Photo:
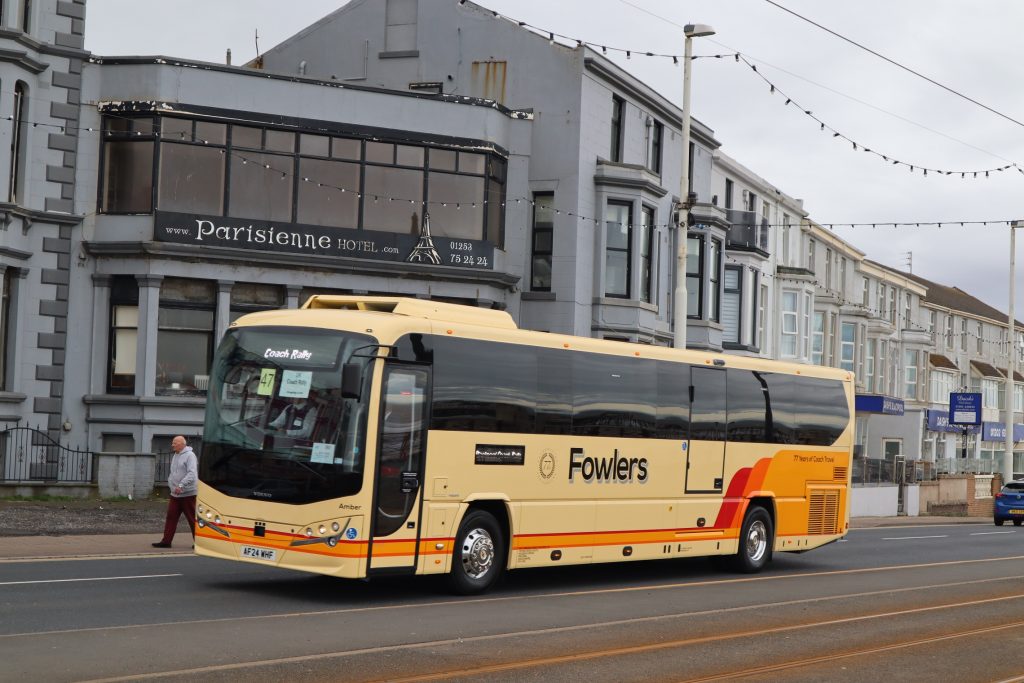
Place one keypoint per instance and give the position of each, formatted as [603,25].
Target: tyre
[756,539]
[1017,522]
[479,557]
[998,521]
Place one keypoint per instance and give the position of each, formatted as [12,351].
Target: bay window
[910,363]
[618,252]
[124,334]
[790,319]
[848,346]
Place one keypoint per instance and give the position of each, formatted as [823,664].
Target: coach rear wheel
[1017,522]
[998,522]
[756,540]
[479,557]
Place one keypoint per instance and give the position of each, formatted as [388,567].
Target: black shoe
[161,544]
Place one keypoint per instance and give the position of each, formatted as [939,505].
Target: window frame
[628,250]
[737,293]
[535,230]
[654,147]
[617,127]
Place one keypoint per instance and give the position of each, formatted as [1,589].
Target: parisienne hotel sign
[316,240]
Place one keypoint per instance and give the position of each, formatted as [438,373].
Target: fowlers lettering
[606,469]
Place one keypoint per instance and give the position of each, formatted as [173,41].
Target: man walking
[182,487]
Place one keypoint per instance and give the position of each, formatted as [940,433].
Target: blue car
[1010,504]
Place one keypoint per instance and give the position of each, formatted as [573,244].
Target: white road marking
[97,578]
[907,538]
[989,533]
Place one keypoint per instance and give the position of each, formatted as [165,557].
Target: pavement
[38,548]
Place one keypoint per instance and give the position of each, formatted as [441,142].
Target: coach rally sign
[316,240]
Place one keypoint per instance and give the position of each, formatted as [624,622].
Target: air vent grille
[839,473]
[823,515]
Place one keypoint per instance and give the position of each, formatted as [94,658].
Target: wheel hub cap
[477,553]
[757,541]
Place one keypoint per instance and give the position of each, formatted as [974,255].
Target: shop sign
[938,421]
[886,405]
[996,431]
[965,408]
[317,240]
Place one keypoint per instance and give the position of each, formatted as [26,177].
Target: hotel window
[5,327]
[618,116]
[848,346]
[729,188]
[790,320]
[980,338]
[810,255]
[754,304]
[933,324]
[990,393]
[24,15]
[865,298]
[646,256]
[263,173]
[732,304]
[941,386]
[828,269]
[892,305]
[881,300]
[714,278]
[907,300]
[128,148]
[1018,397]
[805,329]
[694,276]
[842,274]
[910,374]
[249,297]
[762,305]
[883,364]
[963,334]
[543,240]
[654,147]
[192,158]
[869,366]
[124,334]
[818,339]
[785,238]
[949,331]
[184,336]
[618,242]
[18,127]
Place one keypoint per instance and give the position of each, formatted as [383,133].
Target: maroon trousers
[175,508]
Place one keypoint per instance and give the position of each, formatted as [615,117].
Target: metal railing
[31,455]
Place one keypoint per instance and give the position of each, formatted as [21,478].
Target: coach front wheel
[756,540]
[479,557]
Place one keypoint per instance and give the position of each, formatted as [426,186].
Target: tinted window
[707,412]
[554,392]
[747,402]
[613,396]
[484,387]
[780,415]
[1014,487]
[822,412]
[673,401]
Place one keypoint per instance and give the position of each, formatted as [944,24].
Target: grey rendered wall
[542,77]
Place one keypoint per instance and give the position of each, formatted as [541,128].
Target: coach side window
[708,408]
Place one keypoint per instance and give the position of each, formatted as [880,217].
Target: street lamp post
[691,31]
[1011,365]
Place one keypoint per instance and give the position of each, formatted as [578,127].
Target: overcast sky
[967,46]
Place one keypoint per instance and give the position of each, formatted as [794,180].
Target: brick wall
[980,492]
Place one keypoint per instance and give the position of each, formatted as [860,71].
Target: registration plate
[265,554]
[1017,512]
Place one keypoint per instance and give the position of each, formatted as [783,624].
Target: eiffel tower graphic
[424,250]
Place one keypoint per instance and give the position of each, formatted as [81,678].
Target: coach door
[399,471]
[705,456]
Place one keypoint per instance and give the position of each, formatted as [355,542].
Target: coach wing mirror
[351,380]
